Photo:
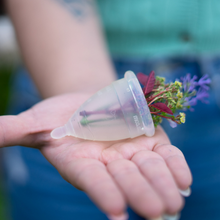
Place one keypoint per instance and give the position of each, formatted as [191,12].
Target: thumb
[12,130]
[21,130]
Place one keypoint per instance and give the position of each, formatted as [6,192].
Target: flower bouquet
[124,109]
[166,99]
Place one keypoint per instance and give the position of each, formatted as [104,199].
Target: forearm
[62,51]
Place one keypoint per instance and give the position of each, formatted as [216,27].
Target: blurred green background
[5,75]
[7,53]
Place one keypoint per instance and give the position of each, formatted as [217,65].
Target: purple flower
[202,94]
[172,123]
[188,83]
[190,86]
[190,101]
[204,81]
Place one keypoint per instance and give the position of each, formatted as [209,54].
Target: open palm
[143,172]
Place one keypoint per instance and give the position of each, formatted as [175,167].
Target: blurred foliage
[4,215]
[5,75]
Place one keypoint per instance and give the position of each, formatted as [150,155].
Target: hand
[144,172]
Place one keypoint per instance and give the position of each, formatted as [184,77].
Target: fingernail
[159,218]
[186,192]
[123,216]
[171,217]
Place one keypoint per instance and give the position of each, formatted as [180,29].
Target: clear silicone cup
[116,112]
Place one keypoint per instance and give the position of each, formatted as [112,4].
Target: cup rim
[141,103]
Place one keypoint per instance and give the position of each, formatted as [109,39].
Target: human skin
[62,52]
[68,61]
[143,172]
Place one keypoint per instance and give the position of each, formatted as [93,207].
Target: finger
[155,170]
[138,192]
[12,130]
[176,162]
[92,177]
[171,217]
[22,130]
[124,216]
[186,192]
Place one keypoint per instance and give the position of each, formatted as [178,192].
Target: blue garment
[37,191]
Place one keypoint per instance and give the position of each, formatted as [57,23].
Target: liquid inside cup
[116,112]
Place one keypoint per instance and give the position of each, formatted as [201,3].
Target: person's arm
[65,52]
[62,45]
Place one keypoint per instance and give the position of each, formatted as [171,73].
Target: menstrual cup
[116,112]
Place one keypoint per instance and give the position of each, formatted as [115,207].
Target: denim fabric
[37,191]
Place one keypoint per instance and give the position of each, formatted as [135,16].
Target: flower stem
[154,100]
[155,112]
[151,99]
[163,116]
